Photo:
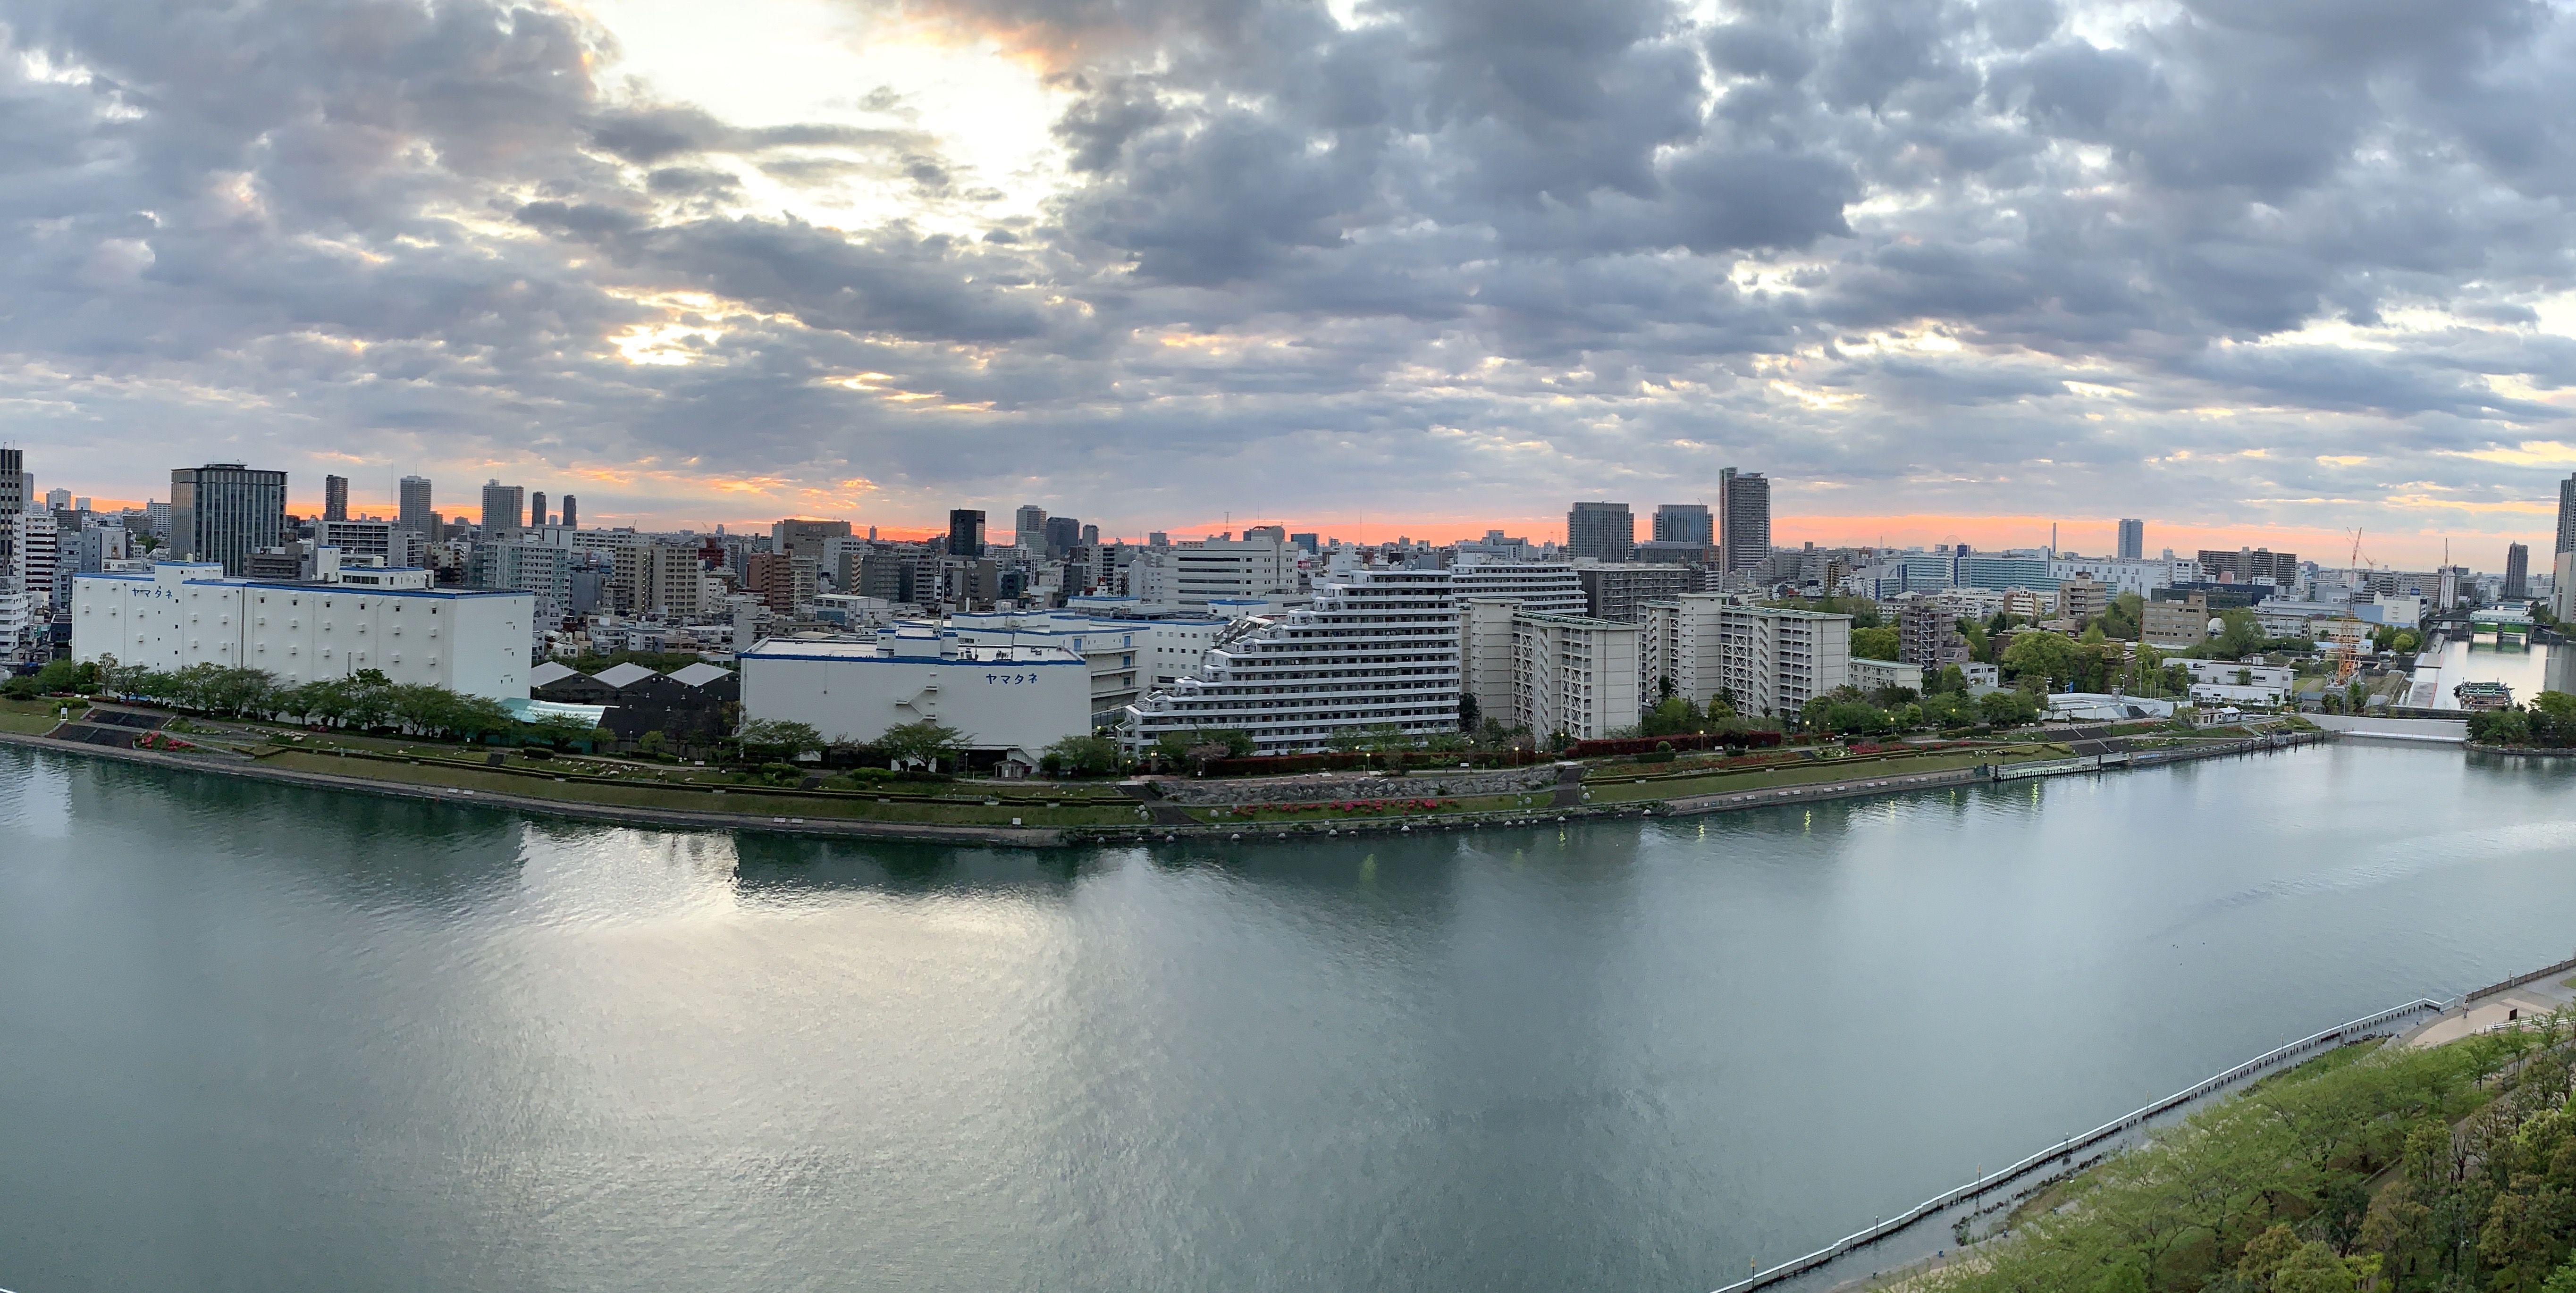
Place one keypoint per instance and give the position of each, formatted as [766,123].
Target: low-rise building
[473,642]
[1010,702]
[2175,624]
[1871,675]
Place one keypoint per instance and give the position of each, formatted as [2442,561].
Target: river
[2527,668]
[263,1038]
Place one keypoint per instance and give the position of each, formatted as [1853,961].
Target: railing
[2520,979]
[2368,1025]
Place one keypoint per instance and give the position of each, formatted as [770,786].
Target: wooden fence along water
[2063,1153]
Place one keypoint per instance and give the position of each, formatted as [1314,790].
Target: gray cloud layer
[1458,259]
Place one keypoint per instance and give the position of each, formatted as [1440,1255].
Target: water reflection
[338,1043]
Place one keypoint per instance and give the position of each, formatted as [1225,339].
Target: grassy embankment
[2372,1167]
[29,717]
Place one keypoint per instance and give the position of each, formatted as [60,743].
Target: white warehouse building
[470,641]
[1378,648]
[1011,700]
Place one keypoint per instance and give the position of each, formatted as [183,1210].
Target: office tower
[1063,535]
[1028,531]
[1744,518]
[806,538]
[504,509]
[1684,523]
[2517,572]
[1601,531]
[537,509]
[413,512]
[965,532]
[57,499]
[572,509]
[156,517]
[225,511]
[1090,536]
[2133,539]
[80,504]
[335,498]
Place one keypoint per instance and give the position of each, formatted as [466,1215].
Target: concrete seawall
[2451,731]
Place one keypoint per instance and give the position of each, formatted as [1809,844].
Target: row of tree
[2452,1168]
[364,701]
[2548,723]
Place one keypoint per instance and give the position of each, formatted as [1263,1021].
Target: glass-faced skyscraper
[225,511]
[2133,539]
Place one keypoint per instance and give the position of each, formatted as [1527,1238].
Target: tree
[772,739]
[1471,713]
[1080,756]
[2007,707]
[925,742]
[1675,715]
[2050,656]
[1949,709]
[1874,644]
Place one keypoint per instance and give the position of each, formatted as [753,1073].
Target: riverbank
[2507,1018]
[1053,814]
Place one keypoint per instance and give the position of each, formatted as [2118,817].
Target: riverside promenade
[1016,819]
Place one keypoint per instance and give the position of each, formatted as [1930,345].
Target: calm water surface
[259,1038]
[2526,668]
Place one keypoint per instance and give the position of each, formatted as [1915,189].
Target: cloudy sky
[2257,270]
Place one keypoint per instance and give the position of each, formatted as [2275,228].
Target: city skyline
[880,261]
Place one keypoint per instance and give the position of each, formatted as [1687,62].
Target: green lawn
[673,797]
[1797,774]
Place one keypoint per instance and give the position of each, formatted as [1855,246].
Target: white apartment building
[1573,675]
[1870,675]
[1190,574]
[1486,663]
[1011,700]
[1379,648]
[2140,575]
[1546,587]
[185,613]
[1771,660]
[1122,653]
[35,556]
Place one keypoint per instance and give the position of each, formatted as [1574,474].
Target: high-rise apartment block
[1772,661]
[1600,532]
[2517,571]
[571,512]
[1573,676]
[2567,514]
[505,510]
[1744,519]
[335,498]
[1376,649]
[2133,539]
[537,510]
[225,511]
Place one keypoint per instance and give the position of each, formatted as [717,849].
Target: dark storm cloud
[1521,249]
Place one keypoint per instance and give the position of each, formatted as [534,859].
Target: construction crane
[2347,650]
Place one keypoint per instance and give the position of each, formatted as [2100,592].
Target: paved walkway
[2528,1001]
